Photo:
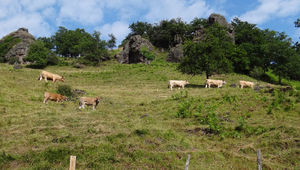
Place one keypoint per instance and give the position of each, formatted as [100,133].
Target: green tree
[40,56]
[250,52]
[211,55]
[140,28]
[112,41]
[283,56]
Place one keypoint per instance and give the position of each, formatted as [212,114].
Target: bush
[13,60]
[257,73]
[185,110]
[147,54]
[65,90]
[180,95]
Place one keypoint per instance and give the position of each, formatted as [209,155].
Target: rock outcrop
[20,50]
[132,52]
[220,19]
[175,54]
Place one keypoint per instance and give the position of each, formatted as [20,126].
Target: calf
[53,96]
[179,83]
[246,84]
[89,101]
[54,77]
[218,83]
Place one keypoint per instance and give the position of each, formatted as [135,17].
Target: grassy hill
[141,124]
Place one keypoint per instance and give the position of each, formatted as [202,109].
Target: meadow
[141,124]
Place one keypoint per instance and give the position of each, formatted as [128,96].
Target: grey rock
[175,54]
[132,50]
[20,50]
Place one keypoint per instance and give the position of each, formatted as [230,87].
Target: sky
[43,17]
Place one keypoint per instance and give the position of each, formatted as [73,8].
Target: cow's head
[223,82]
[62,79]
[186,82]
[97,100]
[64,98]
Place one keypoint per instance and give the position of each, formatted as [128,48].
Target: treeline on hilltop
[253,51]
[87,48]
[208,47]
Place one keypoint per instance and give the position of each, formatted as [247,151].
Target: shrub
[65,90]
[257,72]
[180,95]
[147,54]
[185,110]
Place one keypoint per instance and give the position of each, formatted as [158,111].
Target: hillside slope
[141,124]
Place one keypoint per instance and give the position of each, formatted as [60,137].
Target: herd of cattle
[58,97]
[94,101]
[208,83]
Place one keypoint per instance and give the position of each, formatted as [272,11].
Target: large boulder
[175,54]
[133,50]
[19,50]
[220,19]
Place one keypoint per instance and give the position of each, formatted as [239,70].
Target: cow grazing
[246,84]
[54,77]
[179,83]
[54,96]
[218,83]
[89,101]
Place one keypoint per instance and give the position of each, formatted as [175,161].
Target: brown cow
[89,101]
[54,97]
[54,77]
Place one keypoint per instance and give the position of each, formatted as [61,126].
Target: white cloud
[269,9]
[34,5]
[34,22]
[119,29]
[187,10]
[83,12]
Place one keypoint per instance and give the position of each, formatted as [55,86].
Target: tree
[282,54]
[140,28]
[112,42]
[211,55]
[250,52]
[40,56]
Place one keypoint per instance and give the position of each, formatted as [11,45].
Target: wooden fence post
[187,162]
[72,163]
[259,167]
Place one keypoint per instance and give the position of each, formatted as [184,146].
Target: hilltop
[141,124]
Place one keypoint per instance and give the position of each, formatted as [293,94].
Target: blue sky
[43,17]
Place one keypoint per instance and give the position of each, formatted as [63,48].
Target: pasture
[141,124]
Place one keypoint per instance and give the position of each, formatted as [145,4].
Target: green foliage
[257,73]
[147,53]
[5,45]
[185,109]
[40,56]
[5,158]
[141,132]
[65,90]
[112,41]
[179,96]
[211,55]
[13,60]
[213,123]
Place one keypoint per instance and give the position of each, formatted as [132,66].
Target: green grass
[136,125]
[293,83]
